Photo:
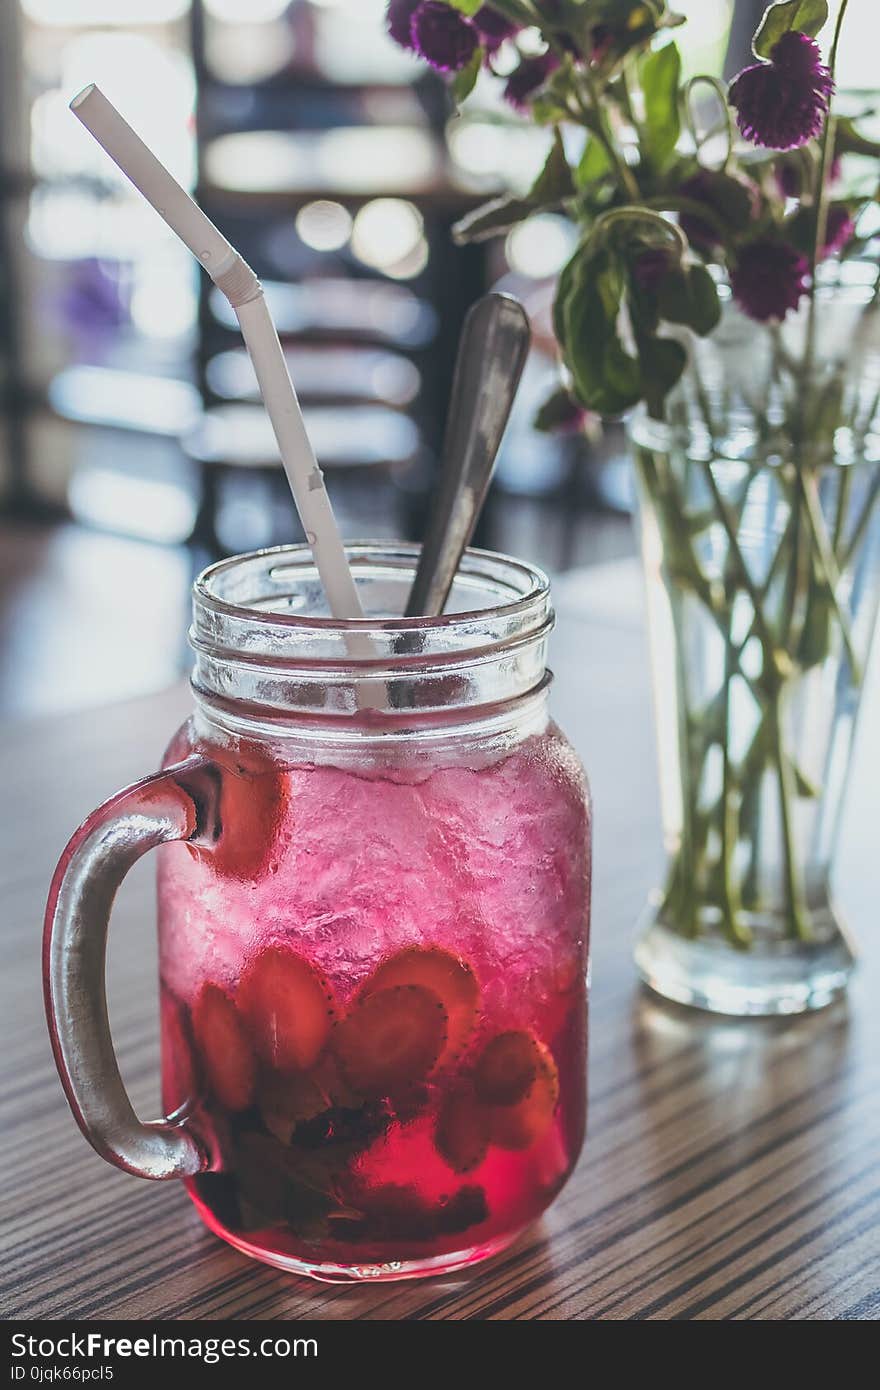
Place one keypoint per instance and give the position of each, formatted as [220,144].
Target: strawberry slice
[224,1047]
[507,1068]
[462,1134]
[518,1126]
[451,979]
[179,1068]
[253,801]
[391,1039]
[289,1008]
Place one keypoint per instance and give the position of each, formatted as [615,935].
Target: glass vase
[760,536]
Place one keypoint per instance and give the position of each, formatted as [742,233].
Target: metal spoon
[491,356]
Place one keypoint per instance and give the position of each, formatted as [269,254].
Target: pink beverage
[373,940]
[386,1007]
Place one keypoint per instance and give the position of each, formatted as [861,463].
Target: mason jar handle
[172,805]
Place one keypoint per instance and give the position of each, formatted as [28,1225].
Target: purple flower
[839,230]
[571,419]
[494,28]
[768,279]
[443,36]
[398,18]
[783,104]
[789,179]
[531,74]
[651,266]
[700,233]
[792,176]
[716,193]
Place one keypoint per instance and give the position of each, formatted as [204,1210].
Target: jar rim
[526,581]
[265,646]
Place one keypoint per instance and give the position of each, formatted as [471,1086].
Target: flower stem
[843,493]
[746,579]
[821,195]
[729,128]
[730,900]
[605,135]
[828,564]
[798,917]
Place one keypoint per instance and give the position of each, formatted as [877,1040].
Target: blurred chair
[332,176]
[234,442]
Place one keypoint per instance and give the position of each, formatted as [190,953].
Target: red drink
[374,1004]
[373,923]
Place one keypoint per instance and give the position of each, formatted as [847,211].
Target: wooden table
[732,1169]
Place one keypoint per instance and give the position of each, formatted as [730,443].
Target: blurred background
[132,449]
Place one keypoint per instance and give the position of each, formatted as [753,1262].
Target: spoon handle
[493,350]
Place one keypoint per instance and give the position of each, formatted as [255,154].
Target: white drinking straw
[238,282]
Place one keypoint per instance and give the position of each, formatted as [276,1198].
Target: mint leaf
[662,361]
[660,76]
[689,296]
[607,378]
[465,80]
[593,164]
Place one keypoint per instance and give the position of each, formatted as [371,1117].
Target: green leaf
[606,377]
[490,220]
[807,16]
[553,185]
[593,164]
[555,181]
[848,140]
[465,80]
[564,286]
[689,296]
[558,411]
[660,76]
[467,7]
[706,306]
[662,362]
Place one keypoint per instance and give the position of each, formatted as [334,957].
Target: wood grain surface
[732,1169]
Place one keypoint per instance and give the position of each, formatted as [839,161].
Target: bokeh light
[70,13]
[540,246]
[246,11]
[324,225]
[388,235]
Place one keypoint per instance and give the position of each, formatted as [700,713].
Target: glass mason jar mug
[373,924]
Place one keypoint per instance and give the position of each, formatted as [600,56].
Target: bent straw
[238,282]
